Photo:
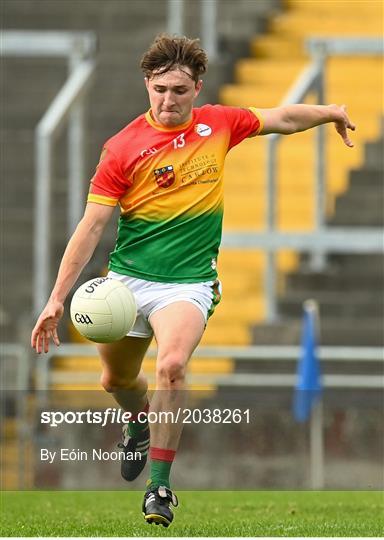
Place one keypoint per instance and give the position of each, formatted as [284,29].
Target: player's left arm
[289,119]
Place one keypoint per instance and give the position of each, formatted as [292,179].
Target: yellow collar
[149,118]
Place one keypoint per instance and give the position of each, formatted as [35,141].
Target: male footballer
[165,171]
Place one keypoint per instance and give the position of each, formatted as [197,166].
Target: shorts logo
[165,176]
[83,319]
[203,130]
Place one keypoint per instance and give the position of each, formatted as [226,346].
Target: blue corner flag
[308,386]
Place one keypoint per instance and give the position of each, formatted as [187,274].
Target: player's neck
[155,123]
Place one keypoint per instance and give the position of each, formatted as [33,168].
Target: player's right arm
[77,254]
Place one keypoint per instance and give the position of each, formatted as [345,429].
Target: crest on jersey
[203,130]
[165,176]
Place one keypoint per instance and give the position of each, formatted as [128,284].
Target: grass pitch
[241,513]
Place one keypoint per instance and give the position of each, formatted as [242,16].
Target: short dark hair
[168,52]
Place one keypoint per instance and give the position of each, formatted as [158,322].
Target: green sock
[161,463]
[136,427]
[160,471]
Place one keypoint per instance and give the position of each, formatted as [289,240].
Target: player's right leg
[123,378]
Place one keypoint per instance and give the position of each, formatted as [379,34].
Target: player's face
[171,96]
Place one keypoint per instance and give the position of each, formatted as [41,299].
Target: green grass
[241,513]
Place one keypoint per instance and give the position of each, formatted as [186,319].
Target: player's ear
[146,81]
[198,87]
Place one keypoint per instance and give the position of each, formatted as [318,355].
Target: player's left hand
[343,123]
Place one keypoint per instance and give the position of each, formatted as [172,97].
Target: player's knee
[171,370]
[113,383]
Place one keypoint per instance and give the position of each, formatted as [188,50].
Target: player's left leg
[178,329]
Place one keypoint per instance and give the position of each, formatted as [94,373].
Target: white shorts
[152,295]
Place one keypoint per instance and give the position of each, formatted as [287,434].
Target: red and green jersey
[169,185]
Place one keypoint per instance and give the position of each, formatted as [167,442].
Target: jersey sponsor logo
[203,130]
[148,152]
[165,176]
[83,318]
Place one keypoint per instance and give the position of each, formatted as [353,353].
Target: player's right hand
[46,327]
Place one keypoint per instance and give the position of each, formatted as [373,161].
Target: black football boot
[156,506]
[135,453]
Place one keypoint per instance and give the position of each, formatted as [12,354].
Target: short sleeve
[109,183]
[243,123]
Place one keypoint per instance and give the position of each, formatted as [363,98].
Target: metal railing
[322,240]
[208,16]
[79,48]
[250,353]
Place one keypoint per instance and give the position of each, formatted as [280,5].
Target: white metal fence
[209,15]
[46,377]
[79,48]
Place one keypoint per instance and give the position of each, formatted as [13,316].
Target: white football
[103,310]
